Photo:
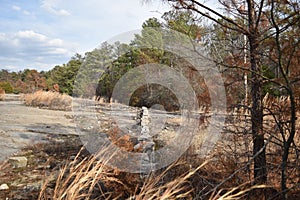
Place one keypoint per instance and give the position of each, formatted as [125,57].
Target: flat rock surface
[21,125]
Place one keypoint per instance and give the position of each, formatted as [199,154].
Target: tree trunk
[260,173]
[260,170]
[287,144]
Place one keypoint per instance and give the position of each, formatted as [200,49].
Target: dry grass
[2,94]
[227,175]
[235,193]
[49,100]
[73,175]
[176,188]
[90,178]
[79,179]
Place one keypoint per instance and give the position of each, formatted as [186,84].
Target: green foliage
[65,75]
[115,69]
[183,22]
[152,94]
[94,64]
[101,68]
[7,87]
[270,87]
[147,47]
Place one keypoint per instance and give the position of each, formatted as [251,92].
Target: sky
[40,34]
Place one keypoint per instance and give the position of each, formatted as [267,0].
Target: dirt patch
[44,162]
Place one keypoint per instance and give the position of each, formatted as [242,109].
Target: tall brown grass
[49,100]
[79,179]
[177,187]
[91,178]
[227,175]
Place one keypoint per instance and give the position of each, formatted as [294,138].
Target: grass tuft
[50,100]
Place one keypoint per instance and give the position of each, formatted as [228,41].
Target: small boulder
[36,186]
[18,162]
[4,187]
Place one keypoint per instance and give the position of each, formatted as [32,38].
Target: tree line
[255,45]
[60,78]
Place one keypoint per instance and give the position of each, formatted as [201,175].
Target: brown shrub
[50,100]
[56,87]
[89,177]
[2,94]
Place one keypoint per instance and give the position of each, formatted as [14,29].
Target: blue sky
[40,34]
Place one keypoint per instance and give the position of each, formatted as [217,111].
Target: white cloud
[17,8]
[57,42]
[31,49]
[25,12]
[50,6]
[58,51]
[46,35]
[2,36]
[30,34]
[95,21]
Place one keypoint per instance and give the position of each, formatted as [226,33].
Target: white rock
[18,162]
[4,187]
[145,122]
[145,131]
[145,111]
[137,146]
[149,146]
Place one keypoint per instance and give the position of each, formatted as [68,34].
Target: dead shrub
[90,178]
[2,94]
[49,100]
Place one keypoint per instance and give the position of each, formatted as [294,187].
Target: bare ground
[21,126]
[48,139]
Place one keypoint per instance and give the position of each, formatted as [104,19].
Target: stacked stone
[145,142]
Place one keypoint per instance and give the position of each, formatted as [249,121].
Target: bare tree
[253,16]
[261,21]
[284,17]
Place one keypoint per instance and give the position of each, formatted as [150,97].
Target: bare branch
[259,13]
[237,27]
